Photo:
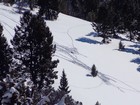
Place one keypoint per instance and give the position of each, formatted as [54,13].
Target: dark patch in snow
[135,46]
[89,75]
[94,34]
[136,60]
[138,69]
[87,40]
[129,50]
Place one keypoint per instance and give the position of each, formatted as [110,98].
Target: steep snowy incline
[78,48]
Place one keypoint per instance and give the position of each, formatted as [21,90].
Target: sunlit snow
[78,48]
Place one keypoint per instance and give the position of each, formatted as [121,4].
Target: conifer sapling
[64,83]
[94,71]
[121,46]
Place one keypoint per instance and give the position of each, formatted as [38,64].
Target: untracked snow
[78,48]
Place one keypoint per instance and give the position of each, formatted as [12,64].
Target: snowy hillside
[78,48]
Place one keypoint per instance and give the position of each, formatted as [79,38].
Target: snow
[61,102]
[78,48]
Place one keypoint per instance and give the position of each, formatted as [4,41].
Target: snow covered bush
[9,94]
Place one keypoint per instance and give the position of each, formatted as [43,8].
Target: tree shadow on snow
[89,75]
[135,46]
[137,61]
[132,51]
[138,69]
[87,40]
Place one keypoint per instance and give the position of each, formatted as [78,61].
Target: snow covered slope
[118,80]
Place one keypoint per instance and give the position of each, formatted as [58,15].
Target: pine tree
[94,71]
[121,46]
[33,47]
[97,103]
[5,55]
[64,84]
